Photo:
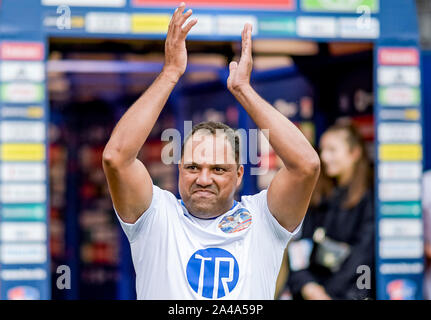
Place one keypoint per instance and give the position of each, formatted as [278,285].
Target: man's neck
[208,216]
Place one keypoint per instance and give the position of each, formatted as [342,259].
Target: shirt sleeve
[269,221]
[132,229]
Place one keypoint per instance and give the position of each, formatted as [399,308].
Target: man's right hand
[129,181]
[175,44]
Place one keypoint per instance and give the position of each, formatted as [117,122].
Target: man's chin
[202,208]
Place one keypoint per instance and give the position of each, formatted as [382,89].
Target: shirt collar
[234,205]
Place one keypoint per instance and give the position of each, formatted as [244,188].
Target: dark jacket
[352,226]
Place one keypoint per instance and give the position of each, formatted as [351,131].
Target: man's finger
[232,66]
[175,15]
[188,26]
[246,40]
[184,17]
[179,12]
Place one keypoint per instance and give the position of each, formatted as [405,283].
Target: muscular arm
[290,191]
[129,182]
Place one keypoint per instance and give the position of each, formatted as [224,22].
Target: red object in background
[242,4]
[57,248]
[88,191]
[97,156]
[21,51]
[55,213]
[269,160]
[99,253]
[152,150]
[399,56]
[365,125]
[103,253]
[57,153]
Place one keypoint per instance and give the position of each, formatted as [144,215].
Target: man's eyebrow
[223,165]
[185,163]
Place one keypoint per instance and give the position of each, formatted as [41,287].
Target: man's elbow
[111,158]
[311,165]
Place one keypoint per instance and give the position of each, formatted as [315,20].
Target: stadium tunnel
[69,71]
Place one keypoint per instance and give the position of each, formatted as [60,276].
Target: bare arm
[129,182]
[290,191]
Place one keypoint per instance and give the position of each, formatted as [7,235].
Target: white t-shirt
[234,256]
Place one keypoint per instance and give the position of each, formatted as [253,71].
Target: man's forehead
[211,149]
[209,140]
[205,133]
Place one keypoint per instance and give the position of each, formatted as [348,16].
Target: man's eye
[191,167]
[218,169]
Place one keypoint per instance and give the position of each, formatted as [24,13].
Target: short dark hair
[212,127]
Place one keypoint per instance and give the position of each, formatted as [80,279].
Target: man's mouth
[203,192]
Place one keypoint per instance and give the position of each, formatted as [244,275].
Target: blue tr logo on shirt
[212,273]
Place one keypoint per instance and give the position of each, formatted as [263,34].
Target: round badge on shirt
[239,220]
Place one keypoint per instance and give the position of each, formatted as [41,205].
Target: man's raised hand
[239,73]
[175,44]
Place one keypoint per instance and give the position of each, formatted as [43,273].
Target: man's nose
[204,178]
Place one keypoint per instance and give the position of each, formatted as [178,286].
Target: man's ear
[180,164]
[240,174]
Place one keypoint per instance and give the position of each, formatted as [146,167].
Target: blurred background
[69,69]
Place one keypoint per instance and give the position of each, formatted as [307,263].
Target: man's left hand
[239,73]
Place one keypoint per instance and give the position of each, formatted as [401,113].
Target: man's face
[208,175]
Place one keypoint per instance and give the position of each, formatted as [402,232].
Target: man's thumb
[232,66]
